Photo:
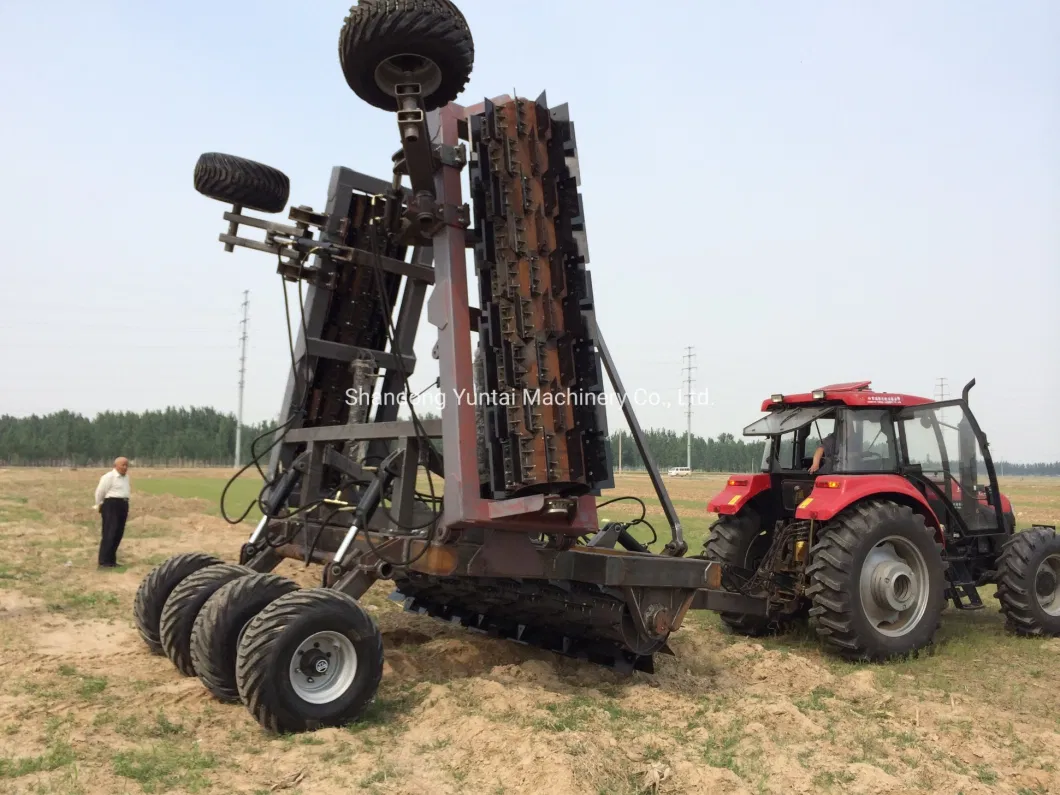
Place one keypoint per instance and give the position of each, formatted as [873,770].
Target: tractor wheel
[312,658]
[183,606]
[738,541]
[1029,582]
[236,180]
[388,42]
[877,582]
[220,625]
[155,590]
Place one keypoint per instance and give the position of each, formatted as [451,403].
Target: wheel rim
[408,68]
[323,667]
[1047,585]
[895,586]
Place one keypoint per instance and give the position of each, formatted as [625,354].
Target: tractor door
[942,454]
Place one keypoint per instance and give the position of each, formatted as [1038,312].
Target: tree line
[172,436]
[670,449]
[206,437]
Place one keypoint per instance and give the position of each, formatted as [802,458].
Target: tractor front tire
[220,625]
[155,590]
[877,582]
[311,659]
[738,541]
[388,42]
[1028,583]
[236,180]
[183,606]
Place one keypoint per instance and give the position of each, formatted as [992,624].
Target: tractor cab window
[866,442]
[940,439]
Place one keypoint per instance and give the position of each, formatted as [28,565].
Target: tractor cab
[846,441]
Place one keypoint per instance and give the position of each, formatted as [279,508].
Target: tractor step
[965,590]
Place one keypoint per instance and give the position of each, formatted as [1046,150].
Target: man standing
[112,501]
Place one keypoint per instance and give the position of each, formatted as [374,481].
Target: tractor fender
[835,493]
[738,492]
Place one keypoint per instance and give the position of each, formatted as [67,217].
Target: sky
[805,192]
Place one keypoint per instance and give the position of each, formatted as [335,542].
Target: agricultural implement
[870,512]
[509,542]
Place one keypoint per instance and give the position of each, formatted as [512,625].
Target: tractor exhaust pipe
[966,390]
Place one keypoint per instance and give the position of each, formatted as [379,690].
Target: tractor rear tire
[387,42]
[155,590]
[1028,583]
[876,559]
[183,606]
[220,625]
[738,541]
[311,659]
[236,180]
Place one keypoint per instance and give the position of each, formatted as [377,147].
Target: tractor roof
[855,393]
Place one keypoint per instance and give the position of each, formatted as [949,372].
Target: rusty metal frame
[446,310]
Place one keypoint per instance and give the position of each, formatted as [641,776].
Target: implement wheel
[312,658]
[183,606]
[738,541]
[877,582]
[155,590]
[236,180]
[1028,584]
[220,625]
[385,43]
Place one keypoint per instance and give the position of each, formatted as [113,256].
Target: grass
[86,603]
[165,766]
[242,493]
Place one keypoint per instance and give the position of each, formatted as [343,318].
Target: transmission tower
[687,369]
[941,390]
[242,372]
[941,393]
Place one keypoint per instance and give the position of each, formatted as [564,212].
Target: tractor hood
[785,420]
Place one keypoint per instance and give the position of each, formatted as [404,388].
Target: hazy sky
[807,192]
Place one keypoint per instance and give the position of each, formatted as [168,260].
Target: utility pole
[242,372]
[688,368]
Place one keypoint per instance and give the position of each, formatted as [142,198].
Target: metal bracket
[455,156]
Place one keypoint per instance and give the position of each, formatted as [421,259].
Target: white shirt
[112,484]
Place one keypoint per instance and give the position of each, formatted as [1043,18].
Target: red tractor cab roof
[855,393]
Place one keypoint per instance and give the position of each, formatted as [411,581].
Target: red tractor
[870,511]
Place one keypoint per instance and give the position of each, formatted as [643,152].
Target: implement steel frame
[474,536]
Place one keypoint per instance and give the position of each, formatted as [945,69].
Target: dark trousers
[115,511]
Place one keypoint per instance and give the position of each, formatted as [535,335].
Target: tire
[1028,583]
[236,180]
[433,37]
[220,624]
[155,590]
[738,541]
[263,664]
[842,611]
[183,606]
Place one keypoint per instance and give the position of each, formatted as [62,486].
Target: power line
[242,372]
[687,369]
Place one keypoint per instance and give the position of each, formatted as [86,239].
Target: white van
[679,472]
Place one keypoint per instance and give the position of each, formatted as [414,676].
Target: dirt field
[84,708]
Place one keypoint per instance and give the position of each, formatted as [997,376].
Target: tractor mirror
[925,421]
